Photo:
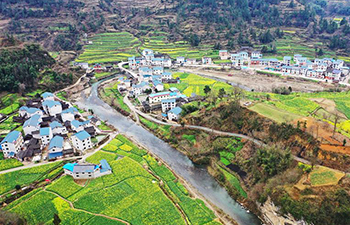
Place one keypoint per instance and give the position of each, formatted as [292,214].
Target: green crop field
[131,193]
[110,47]
[234,181]
[325,176]
[8,181]
[159,43]
[8,124]
[274,113]
[194,84]
[6,164]
[10,103]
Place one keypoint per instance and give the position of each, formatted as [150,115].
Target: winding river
[197,176]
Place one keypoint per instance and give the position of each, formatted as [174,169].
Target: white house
[29,112]
[180,60]
[167,62]
[256,55]
[52,107]
[296,56]
[140,88]
[244,55]
[48,96]
[32,124]
[56,147]
[87,171]
[166,76]
[158,70]
[69,114]
[191,62]
[148,54]
[207,60]
[82,140]
[12,144]
[45,135]
[223,54]
[168,104]
[58,128]
[287,60]
[157,97]
[79,126]
[174,114]
[132,62]
[157,61]
[158,85]
[145,71]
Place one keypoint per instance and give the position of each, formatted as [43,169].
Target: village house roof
[180,57]
[156,77]
[157,82]
[287,58]
[159,94]
[157,59]
[141,85]
[57,142]
[173,89]
[104,166]
[47,95]
[45,131]
[158,68]
[222,51]
[11,137]
[29,110]
[131,58]
[50,103]
[176,111]
[145,69]
[32,121]
[169,100]
[336,71]
[82,135]
[72,110]
[166,73]
[55,124]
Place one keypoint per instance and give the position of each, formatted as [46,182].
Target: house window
[89,175]
[77,176]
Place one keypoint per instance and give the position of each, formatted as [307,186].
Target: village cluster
[327,69]
[52,129]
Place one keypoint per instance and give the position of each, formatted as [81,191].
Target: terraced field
[132,194]
[290,44]
[110,47]
[158,42]
[194,84]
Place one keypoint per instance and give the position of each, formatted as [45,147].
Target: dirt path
[82,210]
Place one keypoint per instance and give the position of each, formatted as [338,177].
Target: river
[197,176]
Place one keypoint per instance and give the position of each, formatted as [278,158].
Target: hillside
[25,67]
[226,24]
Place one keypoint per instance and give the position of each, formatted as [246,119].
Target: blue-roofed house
[45,135]
[58,128]
[29,112]
[180,59]
[51,107]
[69,114]
[167,76]
[140,88]
[168,104]
[87,170]
[79,126]
[174,114]
[82,140]
[148,54]
[56,144]
[32,124]
[12,144]
[146,77]
[287,60]
[132,62]
[223,54]
[145,71]
[158,85]
[157,61]
[157,97]
[47,96]
[158,70]
[244,55]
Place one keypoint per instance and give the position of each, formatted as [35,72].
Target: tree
[344,142]
[222,93]
[291,4]
[56,219]
[18,187]
[207,89]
